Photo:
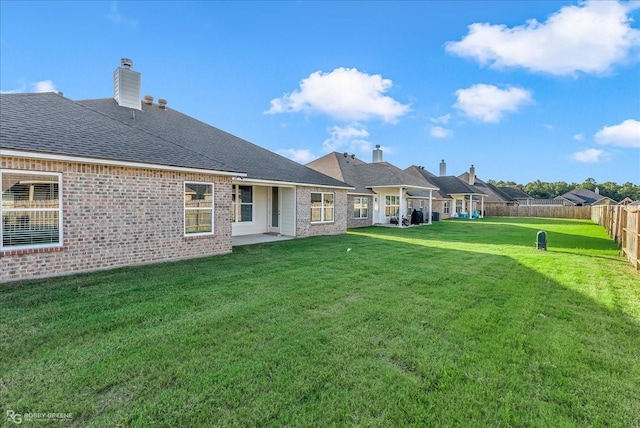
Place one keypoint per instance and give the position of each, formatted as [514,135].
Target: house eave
[113,162]
[263,182]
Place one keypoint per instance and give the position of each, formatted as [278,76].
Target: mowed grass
[462,323]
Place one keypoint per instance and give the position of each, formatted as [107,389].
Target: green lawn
[462,323]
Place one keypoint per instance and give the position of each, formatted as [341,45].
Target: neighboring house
[455,197]
[494,196]
[515,194]
[626,201]
[381,193]
[115,182]
[585,197]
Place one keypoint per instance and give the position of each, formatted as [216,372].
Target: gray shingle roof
[257,162]
[448,184]
[363,176]
[584,197]
[49,123]
[515,193]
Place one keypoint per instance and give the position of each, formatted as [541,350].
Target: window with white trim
[360,207]
[321,207]
[242,204]
[458,205]
[31,209]
[391,205]
[446,207]
[198,208]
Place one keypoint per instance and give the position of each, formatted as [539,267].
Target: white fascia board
[112,162]
[288,183]
[404,186]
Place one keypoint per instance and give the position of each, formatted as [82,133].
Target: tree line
[544,190]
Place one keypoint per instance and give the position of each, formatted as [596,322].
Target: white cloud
[117,18]
[351,138]
[344,94]
[590,156]
[625,134]
[440,132]
[589,37]
[578,137]
[302,156]
[37,87]
[441,119]
[44,86]
[489,103]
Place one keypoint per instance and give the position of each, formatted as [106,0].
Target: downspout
[430,205]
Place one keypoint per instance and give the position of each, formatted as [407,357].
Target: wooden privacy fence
[623,225]
[549,211]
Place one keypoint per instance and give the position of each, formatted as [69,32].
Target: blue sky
[523,90]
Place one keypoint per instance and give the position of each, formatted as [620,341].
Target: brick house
[381,193]
[98,184]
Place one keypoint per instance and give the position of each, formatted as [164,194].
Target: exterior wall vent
[126,85]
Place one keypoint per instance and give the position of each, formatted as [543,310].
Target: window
[360,207]
[446,207]
[242,204]
[31,209]
[321,207]
[391,205]
[198,208]
[458,205]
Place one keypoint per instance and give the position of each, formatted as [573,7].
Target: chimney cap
[126,62]
[377,146]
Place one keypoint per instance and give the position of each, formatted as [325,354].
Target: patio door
[273,222]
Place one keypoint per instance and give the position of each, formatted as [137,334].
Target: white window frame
[446,207]
[323,207]
[184,199]
[388,206]
[237,206]
[4,210]
[358,202]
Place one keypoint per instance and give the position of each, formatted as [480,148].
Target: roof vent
[346,154]
[148,100]
[162,103]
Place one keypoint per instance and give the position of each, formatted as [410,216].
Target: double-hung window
[321,207]
[360,207]
[446,207]
[198,208]
[242,204]
[31,209]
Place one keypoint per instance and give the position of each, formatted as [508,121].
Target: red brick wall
[119,216]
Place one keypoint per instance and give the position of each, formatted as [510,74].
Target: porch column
[400,210]
[430,206]
[470,207]
[482,207]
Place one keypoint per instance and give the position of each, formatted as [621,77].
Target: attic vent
[148,100]
[162,103]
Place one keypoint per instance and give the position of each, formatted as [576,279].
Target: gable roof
[514,193]
[493,193]
[51,124]
[581,196]
[183,130]
[365,176]
[448,185]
